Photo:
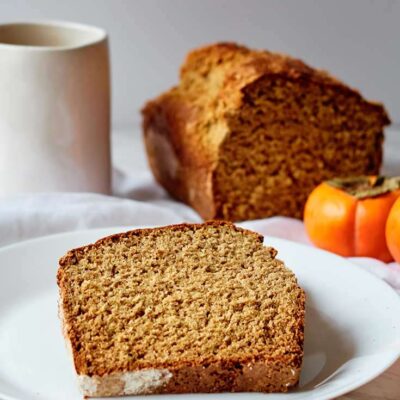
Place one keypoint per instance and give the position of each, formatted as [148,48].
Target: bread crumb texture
[183,299]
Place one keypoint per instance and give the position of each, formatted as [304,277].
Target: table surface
[128,156]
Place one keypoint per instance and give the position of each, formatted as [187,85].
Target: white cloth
[140,202]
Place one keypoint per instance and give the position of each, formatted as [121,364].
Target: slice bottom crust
[180,309]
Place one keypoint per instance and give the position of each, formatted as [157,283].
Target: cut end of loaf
[184,308]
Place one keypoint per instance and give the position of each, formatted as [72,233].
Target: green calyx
[362,187]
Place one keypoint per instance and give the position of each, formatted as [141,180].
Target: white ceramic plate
[352,324]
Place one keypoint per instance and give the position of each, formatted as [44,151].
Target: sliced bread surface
[183,308]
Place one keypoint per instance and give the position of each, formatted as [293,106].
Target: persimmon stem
[363,187]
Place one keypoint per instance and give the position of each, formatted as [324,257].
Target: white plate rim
[109,231]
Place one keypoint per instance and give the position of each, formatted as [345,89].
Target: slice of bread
[183,308]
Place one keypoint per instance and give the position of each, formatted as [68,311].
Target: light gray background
[357,40]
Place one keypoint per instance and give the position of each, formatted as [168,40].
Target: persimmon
[348,216]
[393,231]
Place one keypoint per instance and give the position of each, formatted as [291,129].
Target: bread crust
[187,178]
[180,160]
[226,376]
[208,375]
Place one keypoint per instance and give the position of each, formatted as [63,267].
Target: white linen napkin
[140,202]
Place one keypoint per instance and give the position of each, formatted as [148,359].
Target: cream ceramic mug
[54,108]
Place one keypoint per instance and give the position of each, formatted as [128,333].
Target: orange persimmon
[348,216]
[393,231]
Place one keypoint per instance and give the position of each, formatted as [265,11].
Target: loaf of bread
[184,308]
[248,134]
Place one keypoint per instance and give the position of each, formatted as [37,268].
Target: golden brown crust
[177,162]
[224,376]
[264,374]
[234,376]
[185,128]
[261,63]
